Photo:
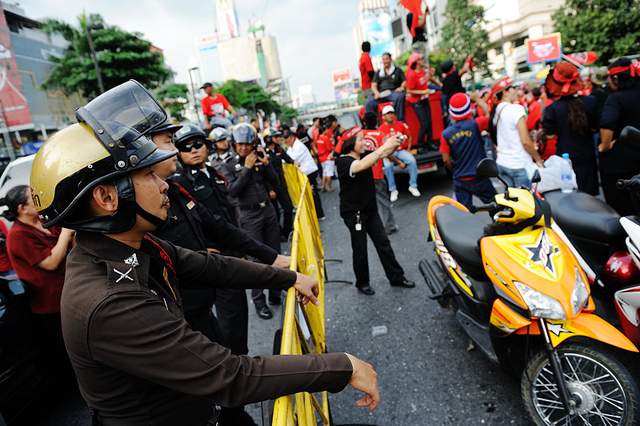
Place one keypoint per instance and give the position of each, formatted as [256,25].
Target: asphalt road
[426,374]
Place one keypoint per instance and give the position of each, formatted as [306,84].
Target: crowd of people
[225,194]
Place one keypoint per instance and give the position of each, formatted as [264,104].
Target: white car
[18,172]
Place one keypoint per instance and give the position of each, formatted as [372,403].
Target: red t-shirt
[535,113]
[214,105]
[27,247]
[416,80]
[399,127]
[324,145]
[374,137]
[365,68]
[5,262]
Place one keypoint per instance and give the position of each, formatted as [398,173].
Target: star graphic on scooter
[542,252]
[557,329]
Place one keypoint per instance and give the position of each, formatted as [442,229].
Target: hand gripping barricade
[303,329]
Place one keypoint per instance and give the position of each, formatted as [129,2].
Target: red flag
[584,58]
[413,6]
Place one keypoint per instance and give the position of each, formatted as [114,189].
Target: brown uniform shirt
[136,359]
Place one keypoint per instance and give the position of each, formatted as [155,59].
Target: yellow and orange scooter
[521,296]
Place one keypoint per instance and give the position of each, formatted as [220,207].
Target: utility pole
[96,66]
[193,93]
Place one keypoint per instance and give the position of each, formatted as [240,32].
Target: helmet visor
[122,114]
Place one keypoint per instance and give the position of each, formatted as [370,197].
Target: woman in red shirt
[37,255]
[418,95]
[325,156]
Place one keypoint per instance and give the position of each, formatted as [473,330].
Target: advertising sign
[341,77]
[544,49]
[376,29]
[13,104]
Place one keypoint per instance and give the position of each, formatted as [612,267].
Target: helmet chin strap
[154,220]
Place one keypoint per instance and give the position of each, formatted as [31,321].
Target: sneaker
[414,191]
[394,196]
[322,218]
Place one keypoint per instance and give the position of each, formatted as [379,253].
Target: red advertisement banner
[13,104]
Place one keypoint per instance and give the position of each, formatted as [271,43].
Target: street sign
[544,49]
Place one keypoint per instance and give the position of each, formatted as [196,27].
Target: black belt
[257,206]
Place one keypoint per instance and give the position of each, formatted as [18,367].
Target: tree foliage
[121,55]
[609,27]
[463,33]
[173,98]
[252,97]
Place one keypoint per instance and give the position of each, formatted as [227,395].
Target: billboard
[13,104]
[227,19]
[343,87]
[376,29]
[544,49]
[340,77]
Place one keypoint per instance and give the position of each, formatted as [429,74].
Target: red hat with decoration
[563,80]
[347,135]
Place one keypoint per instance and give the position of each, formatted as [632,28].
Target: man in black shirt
[359,210]
[388,86]
[451,79]
[619,160]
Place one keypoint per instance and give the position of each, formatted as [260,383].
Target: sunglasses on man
[187,147]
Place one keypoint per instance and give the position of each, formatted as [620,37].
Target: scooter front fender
[591,326]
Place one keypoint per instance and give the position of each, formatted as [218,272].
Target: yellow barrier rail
[303,329]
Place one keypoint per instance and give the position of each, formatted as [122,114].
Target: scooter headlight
[540,305]
[580,294]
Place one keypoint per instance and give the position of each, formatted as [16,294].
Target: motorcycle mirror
[629,135]
[487,168]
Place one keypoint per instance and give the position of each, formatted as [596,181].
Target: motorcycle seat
[583,215]
[460,232]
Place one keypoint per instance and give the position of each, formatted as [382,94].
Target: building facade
[29,113]
[509,24]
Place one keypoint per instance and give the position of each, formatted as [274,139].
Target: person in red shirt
[5,262]
[374,140]
[546,146]
[38,257]
[402,157]
[325,148]
[418,95]
[366,69]
[214,106]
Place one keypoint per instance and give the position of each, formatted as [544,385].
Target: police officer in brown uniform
[136,360]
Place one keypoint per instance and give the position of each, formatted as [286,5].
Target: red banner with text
[544,49]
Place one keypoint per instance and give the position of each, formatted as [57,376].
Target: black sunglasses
[189,146]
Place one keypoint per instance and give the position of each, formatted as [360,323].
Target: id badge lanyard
[358,222]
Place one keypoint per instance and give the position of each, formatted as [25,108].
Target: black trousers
[423,111]
[233,319]
[262,225]
[283,201]
[586,175]
[371,225]
[313,180]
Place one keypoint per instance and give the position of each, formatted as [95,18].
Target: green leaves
[463,34]
[121,55]
[609,27]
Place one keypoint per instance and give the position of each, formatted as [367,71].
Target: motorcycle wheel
[606,392]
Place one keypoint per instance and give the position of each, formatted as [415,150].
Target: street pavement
[426,374]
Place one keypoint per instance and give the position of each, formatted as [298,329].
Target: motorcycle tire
[595,375]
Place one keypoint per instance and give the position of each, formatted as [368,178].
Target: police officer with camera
[250,179]
[136,359]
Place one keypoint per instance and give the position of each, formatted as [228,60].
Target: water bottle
[566,172]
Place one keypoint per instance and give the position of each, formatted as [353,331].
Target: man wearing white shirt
[303,159]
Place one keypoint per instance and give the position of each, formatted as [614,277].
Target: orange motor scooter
[521,296]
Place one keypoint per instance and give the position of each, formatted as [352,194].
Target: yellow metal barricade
[303,329]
